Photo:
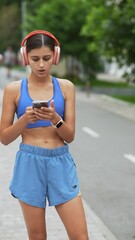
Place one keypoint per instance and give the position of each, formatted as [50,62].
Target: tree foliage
[9,27]
[112,28]
[86,29]
[65,20]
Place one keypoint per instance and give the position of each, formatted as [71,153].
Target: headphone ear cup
[56,56]
[24,56]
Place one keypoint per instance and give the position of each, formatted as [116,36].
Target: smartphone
[39,103]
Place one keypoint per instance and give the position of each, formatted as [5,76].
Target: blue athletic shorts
[41,173]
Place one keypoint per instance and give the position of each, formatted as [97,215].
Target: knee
[83,237]
[80,236]
[38,237]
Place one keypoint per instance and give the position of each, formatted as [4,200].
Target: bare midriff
[45,137]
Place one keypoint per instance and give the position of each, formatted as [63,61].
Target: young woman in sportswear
[44,168]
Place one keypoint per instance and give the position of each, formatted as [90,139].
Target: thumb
[52,103]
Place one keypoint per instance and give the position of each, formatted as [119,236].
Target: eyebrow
[48,55]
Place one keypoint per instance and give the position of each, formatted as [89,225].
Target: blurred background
[97,39]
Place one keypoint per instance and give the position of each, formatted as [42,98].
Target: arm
[67,130]
[9,131]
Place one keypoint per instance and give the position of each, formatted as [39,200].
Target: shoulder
[13,87]
[67,87]
[66,84]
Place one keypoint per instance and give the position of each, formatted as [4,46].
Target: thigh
[63,184]
[35,221]
[73,216]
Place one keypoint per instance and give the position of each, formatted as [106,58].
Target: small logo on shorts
[75,186]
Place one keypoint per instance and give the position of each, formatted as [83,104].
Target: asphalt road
[102,149]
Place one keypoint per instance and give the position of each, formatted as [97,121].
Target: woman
[44,168]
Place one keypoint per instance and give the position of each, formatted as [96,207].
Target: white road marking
[91,132]
[130,157]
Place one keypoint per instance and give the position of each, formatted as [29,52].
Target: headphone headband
[39,32]
[56,48]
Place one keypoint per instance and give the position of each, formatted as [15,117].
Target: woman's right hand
[30,115]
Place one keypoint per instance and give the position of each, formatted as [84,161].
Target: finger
[29,111]
[30,108]
[52,103]
[34,119]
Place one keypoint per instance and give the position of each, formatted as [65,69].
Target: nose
[41,62]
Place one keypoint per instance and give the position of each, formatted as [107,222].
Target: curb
[116,106]
[96,228]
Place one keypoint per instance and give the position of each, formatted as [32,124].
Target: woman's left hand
[46,113]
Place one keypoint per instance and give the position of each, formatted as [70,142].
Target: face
[40,61]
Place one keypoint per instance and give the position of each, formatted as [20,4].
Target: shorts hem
[29,202]
[65,200]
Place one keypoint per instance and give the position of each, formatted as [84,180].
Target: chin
[41,75]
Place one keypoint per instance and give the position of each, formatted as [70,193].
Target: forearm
[9,134]
[65,131]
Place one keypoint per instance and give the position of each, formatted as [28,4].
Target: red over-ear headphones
[24,52]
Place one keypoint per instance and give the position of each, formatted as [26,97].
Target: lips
[41,71]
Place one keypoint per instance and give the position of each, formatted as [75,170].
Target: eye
[35,59]
[46,58]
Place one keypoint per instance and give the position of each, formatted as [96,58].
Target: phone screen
[39,103]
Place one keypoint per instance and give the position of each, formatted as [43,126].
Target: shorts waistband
[44,151]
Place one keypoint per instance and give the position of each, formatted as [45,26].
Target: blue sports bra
[25,100]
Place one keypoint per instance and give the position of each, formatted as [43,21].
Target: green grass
[110,84]
[107,84]
[101,83]
[130,99]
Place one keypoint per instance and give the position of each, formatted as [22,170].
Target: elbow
[71,138]
[4,142]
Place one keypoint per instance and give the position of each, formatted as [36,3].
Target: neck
[40,81]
